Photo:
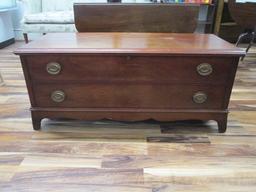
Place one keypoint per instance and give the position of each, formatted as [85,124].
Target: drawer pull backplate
[58,96]
[53,68]
[204,69]
[199,97]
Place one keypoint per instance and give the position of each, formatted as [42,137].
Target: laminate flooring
[111,156]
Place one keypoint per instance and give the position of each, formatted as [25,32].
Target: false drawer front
[129,96]
[152,69]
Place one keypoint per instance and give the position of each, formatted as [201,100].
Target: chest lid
[130,43]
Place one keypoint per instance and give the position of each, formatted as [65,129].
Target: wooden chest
[129,76]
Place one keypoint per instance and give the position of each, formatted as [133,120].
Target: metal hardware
[204,69]
[1,80]
[58,96]
[53,68]
[199,97]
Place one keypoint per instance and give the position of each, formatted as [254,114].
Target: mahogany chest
[129,76]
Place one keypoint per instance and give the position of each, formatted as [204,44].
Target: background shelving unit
[206,17]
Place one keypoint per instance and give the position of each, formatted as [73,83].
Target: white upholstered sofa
[49,16]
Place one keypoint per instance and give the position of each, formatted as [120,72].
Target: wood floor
[126,157]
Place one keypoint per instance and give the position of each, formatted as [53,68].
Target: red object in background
[199,1]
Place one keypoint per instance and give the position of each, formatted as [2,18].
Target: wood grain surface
[129,69]
[112,156]
[131,43]
[243,13]
[133,81]
[132,17]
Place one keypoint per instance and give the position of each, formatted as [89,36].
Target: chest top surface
[130,43]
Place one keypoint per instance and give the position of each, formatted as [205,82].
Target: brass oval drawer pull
[199,97]
[204,69]
[58,96]
[53,68]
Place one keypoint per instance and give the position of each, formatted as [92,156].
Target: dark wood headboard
[120,17]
